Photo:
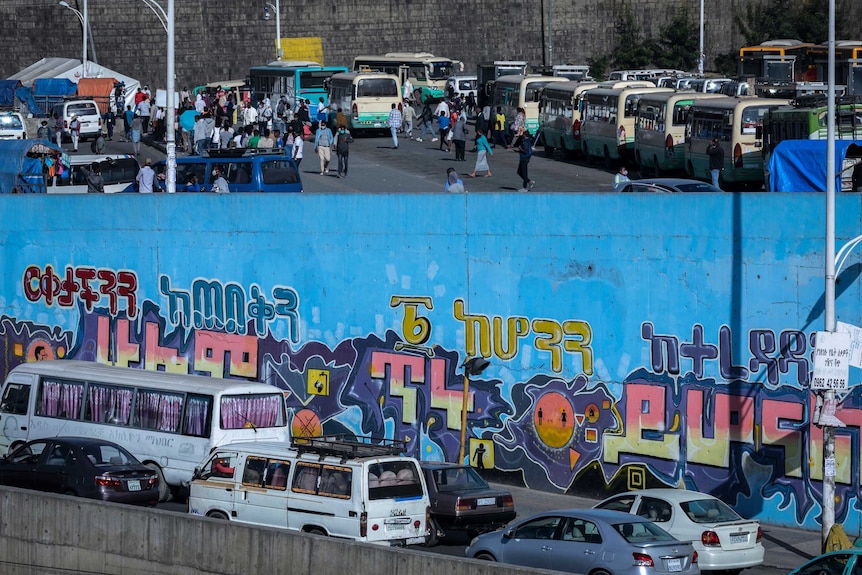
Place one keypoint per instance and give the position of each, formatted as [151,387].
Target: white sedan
[724,541]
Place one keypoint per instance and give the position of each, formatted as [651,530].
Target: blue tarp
[25,94]
[800,165]
[60,87]
[19,171]
[7,92]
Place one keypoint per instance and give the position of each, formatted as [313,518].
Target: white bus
[660,130]
[427,72]
[560,118]
[169,421]
[365,98]
[513,92]
[608,121]
[737,123]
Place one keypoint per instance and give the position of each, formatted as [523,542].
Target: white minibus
[341,487]
[513,92]
[365,98]
[169,421]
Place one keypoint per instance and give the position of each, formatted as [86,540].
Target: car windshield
[709,511]
[642,531]
[10,123]
[458,478]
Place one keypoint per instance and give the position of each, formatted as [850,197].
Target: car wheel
[70,493]
[164,489]
[220,515]
[316,531]
[485,556]
[433,536]
[600,572]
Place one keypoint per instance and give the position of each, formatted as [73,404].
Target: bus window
[198,415]
[16,398]
[241,411]
[159,410]
[108,404]
[62,399]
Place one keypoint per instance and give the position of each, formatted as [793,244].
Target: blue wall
[633,340]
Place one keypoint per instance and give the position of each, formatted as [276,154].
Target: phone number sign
[831,360]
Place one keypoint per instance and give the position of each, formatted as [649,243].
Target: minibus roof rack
[348,446]
[243,152]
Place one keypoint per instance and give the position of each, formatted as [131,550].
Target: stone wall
[221,39]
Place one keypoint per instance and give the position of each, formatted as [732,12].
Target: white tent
[71,69]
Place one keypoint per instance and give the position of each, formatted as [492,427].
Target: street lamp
[700,49]
[166,19]
[84,28]
[267,15]
[472,366]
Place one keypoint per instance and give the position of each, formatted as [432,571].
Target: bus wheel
[549,151]
[656,169]
[164,489]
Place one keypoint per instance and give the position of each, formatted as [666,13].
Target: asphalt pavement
[785,549]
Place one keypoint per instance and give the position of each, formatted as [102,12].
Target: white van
[88,114]
[326,485]
[118,170]
[12,126]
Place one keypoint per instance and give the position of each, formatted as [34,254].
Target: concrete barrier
[44,534]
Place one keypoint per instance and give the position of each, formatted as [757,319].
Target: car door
[50,474]
[262,496]
[533,542]
[18,468]
[833,564]
[577,546]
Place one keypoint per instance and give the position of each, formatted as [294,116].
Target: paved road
[375,167]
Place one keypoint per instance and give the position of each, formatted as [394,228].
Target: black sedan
[462,501]
[84,467]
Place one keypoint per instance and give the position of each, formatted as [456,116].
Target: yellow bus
[365,98]
[660,130]
[608,121]
[425,71]
[516,91]
[738,125]
[560,118]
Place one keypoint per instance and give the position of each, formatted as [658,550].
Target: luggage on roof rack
[347,446]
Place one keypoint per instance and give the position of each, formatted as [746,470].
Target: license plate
[395,527]
[134,485]
[674,565]
[487,501]
[736,539]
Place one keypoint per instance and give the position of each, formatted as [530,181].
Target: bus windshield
[376,87]
[440,70]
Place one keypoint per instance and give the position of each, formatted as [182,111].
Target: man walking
[394,124]
[524,148]
[716,160]
[323,146]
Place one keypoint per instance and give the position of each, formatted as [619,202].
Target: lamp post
[472,366]
[700,48]
[167,20]
[828,502]
[84,28]
[267,16]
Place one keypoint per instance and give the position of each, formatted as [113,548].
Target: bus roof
[620,84]
[350,76]
[517,79]
[729,103]
[101,373]
[627,90]
[226,84]
[570,86]
[292,64]
[678,96]
[402,57]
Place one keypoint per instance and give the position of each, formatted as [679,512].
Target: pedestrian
[296,149]
[323,146]
[128,117]
[95,181]
[343,139]
[520,122]
[322,111]
[136,129]
[500,128]
[75,131]
[454,184]
[524,146]
[483,149]
[44,132]
[200,105]
[459,137]
[425,118]
[187,120]
[58,130]
[146,176]
[144,109]
[192,185]
[265,116]
[200,135]
[220,184]
[340,118]
[621,176]
[443,127]
[266,140]
[98,145]
[408,114]
[716,160]
[249,115]
[394,124]
[110,121]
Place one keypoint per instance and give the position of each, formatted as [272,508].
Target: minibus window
[15,399]
[393,480]
[61,399]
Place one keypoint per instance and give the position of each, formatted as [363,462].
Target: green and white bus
[608,121]
[516,91]
[660,130]
[560,118]
[365,98]
[805,119]
[425,71]
[738,125]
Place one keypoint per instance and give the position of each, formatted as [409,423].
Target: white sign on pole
[855,342]
[831,360]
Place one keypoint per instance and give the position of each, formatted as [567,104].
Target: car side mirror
[509,533]
[197,473]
